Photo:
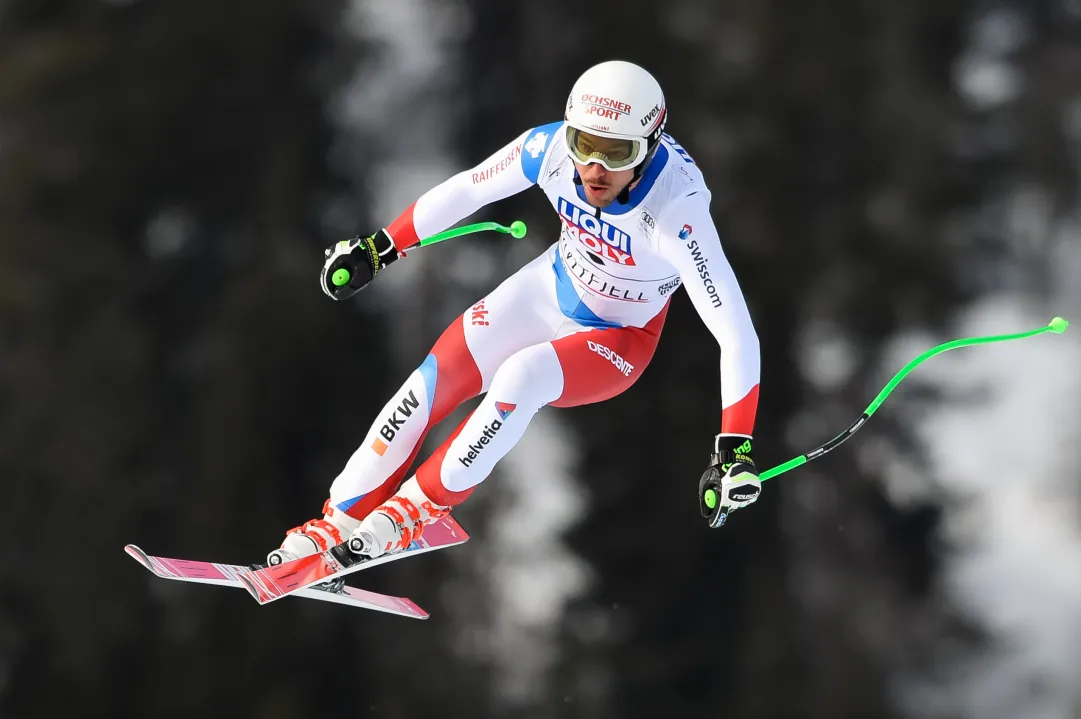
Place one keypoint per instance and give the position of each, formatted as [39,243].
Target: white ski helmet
[617,100]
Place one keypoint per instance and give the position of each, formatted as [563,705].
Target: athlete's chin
[599,196]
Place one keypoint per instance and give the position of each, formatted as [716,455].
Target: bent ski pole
[1056,326]
[516,230]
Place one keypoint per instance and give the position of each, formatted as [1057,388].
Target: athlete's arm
[352,264]
[688,239]
[507,172]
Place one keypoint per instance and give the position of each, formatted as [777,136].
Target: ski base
[271,583]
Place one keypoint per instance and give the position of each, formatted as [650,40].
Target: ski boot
[394,525]
[317,535]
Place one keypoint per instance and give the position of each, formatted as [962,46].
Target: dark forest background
[171,375]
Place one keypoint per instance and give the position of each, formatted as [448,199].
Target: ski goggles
[614,153]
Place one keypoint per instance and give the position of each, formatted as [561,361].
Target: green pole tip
[340,277]
[1058,325]
[517,229]
[711,498]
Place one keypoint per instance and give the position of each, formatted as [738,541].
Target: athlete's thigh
[599,364]
[522,311]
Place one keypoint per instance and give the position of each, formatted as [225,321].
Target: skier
[576,325]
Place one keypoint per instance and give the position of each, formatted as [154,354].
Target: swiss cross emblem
[536,146]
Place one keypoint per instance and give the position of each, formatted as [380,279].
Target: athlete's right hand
[351,264]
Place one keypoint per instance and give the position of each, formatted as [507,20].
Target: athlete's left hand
[731,482]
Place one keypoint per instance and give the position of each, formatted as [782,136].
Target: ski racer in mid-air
[576,325]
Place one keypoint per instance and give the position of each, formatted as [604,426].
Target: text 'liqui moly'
[601,238]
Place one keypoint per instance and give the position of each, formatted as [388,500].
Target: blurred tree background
[170,374]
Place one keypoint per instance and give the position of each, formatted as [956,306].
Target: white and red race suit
[576,325]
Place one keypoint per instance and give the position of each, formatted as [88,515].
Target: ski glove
[351,264]
[731,482]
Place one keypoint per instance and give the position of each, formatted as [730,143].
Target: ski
[271,583]
[226,575]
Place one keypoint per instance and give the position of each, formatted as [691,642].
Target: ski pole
[516,230]
[1057,326]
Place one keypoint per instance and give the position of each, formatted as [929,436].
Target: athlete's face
[602,186]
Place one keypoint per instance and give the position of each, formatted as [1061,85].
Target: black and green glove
[731,482]
[351,264]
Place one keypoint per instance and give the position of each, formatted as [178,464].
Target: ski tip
[138,555]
